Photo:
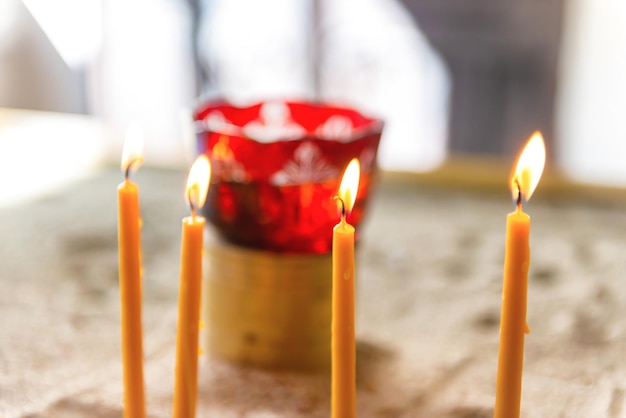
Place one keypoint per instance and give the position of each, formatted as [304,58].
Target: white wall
[373,58]
[32,73]
[591,105]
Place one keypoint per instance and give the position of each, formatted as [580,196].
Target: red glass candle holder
[276,167]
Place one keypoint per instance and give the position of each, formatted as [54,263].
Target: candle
[129,224]
[513,325]
[343,379]
[186,372]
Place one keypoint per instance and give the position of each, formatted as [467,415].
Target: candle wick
[127,170]
[190,201]
[343,206]
[519,194]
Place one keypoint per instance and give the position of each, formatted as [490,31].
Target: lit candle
[343,379]
[513,325]
[129,224]
[186,373]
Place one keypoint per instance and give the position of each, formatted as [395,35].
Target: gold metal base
[267,309]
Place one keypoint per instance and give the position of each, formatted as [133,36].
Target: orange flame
[132,153]
[198,182]
[350,184]
[529,168]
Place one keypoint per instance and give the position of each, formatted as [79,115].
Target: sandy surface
[430,271]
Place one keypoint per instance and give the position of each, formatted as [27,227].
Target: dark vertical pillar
[503,60]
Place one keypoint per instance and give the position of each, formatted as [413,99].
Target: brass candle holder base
[268,309]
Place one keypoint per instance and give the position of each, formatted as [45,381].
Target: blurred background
[467,79]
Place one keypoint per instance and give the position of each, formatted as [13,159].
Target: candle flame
[132,152]
[529,168]
[350,184]
[198,182]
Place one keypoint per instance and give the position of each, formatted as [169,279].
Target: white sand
[430,271]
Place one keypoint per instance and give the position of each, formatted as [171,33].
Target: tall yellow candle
[513,325]
[129,224]
[186,372]
[343,353]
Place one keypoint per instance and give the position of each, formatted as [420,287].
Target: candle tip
[198,182]
[190,200]
[528,169]
[349,185]
[343,206]
[132,152]
[519,194]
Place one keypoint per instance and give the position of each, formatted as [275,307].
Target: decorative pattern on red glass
[276,167]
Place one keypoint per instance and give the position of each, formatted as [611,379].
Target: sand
[429,291]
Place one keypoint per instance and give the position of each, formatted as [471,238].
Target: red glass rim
[309,115]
